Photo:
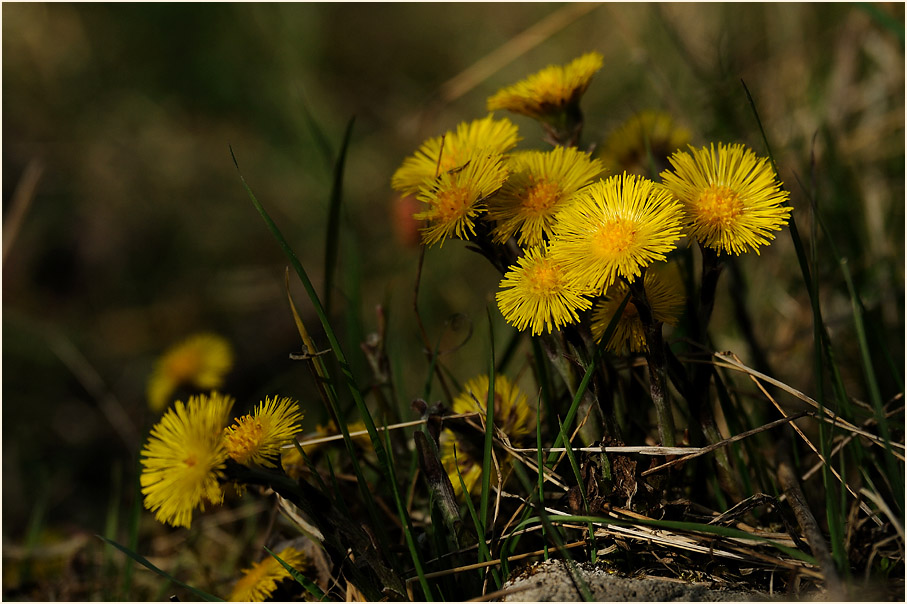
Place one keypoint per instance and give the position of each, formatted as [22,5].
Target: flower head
[442,154]
[260,580]
[201,360]
[645,135]
[256,438]
[732,199]
[665,295]
[549,91]
[541,183]
[615,228]
[512,415]
[537,294]
[456,198]
[184,457]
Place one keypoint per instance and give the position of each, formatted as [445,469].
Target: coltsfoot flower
[201,360]
[512,415]
[537,294]
[441,154]
[614,228]
[540,184]
[646,134]
[184,457]
[260,580]
[455,199]
[665,296]
[732,199]
[256,438]
[549,91]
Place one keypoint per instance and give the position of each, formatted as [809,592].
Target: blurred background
[126,226]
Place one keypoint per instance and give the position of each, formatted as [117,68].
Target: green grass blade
[111,525]
[406,521]
[365,415]
[332,241]
[489,427]
[579,481]
[884,19]
[321,140]
[141,560]
[540,459]
[484,553]
[571,413]
[307,583]
[894,474]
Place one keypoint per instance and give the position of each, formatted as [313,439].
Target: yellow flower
[201,360]
[541,183]
[256,438]
[645,134]
[512,415]
[537,294]
[184,457]
[259,582]
[439,155]
[666,298]
[550,90]
[615,228]
[732,199]
[456,198]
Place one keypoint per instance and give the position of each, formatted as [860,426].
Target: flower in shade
[455,199]
[665,296]
[537,294]
[613,228]
[201,360]
[256,438]
[549,91]
[541,183]
[648,135]
[512,415]
[259,582]
[452,151]
[184,457]
[732,199]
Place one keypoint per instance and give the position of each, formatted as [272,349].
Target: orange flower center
[614,238]
[719,206]
[244,438]
[543,278]
[541,197]
[452,204]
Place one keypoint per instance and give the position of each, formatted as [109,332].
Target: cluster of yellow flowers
[580,236]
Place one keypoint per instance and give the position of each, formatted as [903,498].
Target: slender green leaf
[579,481]
[307,583]
[332,241]
[484,553]
[489,428]
[141,560]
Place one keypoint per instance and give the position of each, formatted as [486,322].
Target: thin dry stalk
[725,442]
[20,203]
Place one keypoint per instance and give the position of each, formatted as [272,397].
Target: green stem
[655,356]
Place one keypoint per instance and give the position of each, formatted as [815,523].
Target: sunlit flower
[259,582]
[541,183]
[550,90]
[732,199]
[644,136]
[537,294]
[455,199]
[512,415]
[442,154]
[256,438]
[184,457]
[201,360]
[665,296]
[612,228]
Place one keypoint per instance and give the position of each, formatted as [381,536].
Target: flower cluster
[184,459]
[574,237]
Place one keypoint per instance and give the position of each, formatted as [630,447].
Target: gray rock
[550,581]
